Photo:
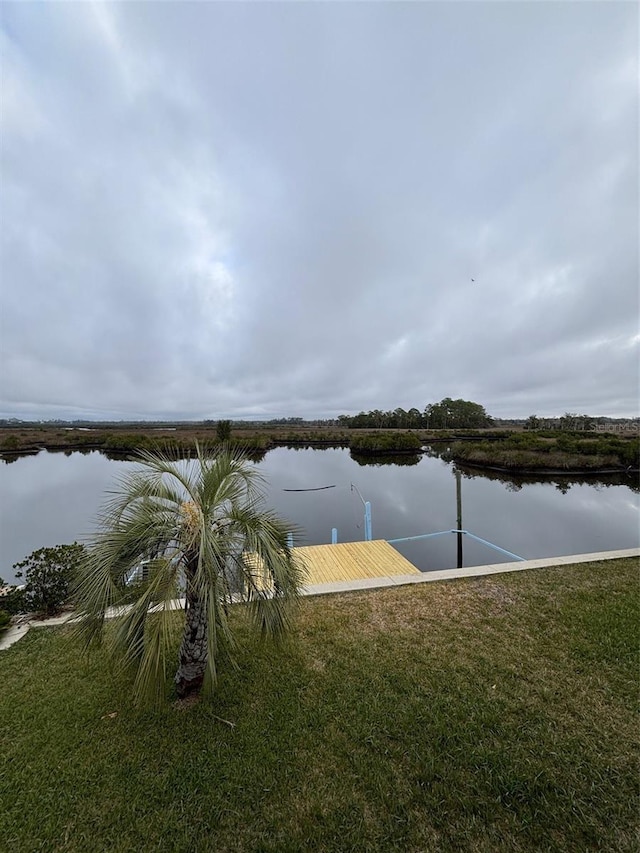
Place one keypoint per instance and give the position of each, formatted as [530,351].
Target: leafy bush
[126,441]
[223,430]
[49,573]
[386,442]
[5,619]
[525,441]
[86,438]
[12,599]
[568,444]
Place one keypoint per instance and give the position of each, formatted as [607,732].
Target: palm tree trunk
[193,649]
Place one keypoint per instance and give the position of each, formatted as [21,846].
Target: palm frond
[273,575]
[161,628]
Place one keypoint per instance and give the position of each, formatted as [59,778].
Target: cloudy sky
[265,209]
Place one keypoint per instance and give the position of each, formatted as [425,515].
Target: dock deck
[347,561]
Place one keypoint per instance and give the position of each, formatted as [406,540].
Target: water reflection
[51,499]
[387,459]
[562,482]
[127,456]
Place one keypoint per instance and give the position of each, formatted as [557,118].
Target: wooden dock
[347,561]
[352,561]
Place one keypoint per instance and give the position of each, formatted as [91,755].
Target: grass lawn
[489,714]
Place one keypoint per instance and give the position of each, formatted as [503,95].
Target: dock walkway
[351,561]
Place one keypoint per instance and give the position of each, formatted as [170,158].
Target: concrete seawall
[16,632]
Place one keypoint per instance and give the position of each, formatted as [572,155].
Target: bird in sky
[473,279]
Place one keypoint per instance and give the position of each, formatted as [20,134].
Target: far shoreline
[534,453]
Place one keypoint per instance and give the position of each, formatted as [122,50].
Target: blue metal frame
[466,533]
[368,532]
[368,535]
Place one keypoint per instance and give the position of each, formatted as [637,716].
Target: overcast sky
[240,210]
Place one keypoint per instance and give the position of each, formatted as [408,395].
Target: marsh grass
[560,451]
[476,715]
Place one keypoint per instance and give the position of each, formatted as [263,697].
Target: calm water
[50,499]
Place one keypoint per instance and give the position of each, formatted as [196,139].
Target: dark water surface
[51,499]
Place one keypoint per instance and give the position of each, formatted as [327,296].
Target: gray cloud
[248,209]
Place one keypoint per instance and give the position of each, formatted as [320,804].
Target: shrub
[223,430]
[12,600]
[5,620]
[126,441]
[48,574]
[386,442]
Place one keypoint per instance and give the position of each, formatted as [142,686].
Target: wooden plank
[352,561]
[344,561]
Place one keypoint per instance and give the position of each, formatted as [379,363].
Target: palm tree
[197,528]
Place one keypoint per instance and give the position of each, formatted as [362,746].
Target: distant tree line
[447,414]
[581,423]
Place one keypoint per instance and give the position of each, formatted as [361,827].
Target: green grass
[479,715]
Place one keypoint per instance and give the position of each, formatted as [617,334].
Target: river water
[53,498]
